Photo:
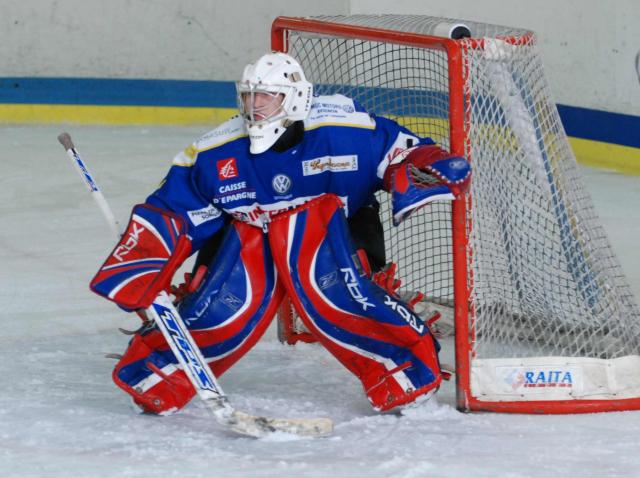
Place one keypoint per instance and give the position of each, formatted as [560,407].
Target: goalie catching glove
[142,264]
[427,173]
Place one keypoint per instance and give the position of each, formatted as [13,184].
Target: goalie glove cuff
[142,264]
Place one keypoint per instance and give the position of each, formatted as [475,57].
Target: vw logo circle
[281,183]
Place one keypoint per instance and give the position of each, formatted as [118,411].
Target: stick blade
[259,427]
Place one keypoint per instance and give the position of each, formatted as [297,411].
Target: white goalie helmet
[272,94]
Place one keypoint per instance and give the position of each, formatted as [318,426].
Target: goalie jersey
[345,151]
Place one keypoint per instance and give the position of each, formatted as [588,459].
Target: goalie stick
[175,332]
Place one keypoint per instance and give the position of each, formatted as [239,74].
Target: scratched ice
[60,414]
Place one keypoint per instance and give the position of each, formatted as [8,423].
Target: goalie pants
[375,336]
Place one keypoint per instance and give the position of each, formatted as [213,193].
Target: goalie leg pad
[227,315]
[375,336]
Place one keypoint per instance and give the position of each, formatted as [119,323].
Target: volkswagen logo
[281,183]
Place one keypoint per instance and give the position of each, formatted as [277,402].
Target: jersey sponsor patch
[281,183]
[227,169]
[337,110]
[200,216]
[234,192]
[227,188]
[228,131]
[235,196]
[335,164]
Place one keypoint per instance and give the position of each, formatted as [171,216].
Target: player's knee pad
[226,315]
[374,335]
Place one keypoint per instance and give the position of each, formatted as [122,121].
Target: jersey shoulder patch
[228,131]
[337,110]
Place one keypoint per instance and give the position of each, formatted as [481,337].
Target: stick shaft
[173,328]
[94,190]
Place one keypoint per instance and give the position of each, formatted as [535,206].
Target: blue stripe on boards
[602,126]
[123,92]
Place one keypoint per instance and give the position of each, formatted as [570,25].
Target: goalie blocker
[142,264]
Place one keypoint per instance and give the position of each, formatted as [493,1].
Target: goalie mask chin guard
[284,97]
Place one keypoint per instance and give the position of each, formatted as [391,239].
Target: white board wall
[590,47]
[159,39]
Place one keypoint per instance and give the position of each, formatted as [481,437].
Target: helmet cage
[268,112]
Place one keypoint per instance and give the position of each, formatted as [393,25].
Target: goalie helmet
[272,94]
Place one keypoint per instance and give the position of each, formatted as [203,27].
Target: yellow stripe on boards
[115,115]
[623,159]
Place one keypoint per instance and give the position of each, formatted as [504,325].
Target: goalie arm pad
[423,174]
[142,264]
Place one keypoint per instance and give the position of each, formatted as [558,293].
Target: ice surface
[61,416]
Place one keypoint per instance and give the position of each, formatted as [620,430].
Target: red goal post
[529,267]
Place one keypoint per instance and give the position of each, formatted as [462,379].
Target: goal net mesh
[542,277]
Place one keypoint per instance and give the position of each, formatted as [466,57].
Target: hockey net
[544,318]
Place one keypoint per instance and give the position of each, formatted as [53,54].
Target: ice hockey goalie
[279,187]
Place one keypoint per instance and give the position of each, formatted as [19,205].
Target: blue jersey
[345,151]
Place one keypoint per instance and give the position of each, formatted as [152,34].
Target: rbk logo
[354,288]
[132,241]
[227,168]
[410,318]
